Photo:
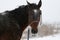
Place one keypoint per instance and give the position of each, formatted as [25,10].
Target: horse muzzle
[34,31]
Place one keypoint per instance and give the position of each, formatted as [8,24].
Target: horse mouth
[34,31]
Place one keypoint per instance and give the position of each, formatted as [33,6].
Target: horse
[14,22]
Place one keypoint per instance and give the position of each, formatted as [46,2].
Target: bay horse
[13,22]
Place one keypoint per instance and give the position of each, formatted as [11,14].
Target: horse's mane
[18,11]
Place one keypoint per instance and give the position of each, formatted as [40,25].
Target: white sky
[50,8]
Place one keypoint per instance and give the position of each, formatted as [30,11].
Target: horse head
[34,13]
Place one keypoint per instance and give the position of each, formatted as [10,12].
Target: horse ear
[39,4]
[28,3]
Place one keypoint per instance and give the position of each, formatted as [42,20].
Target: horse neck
[19,14]
[16,12]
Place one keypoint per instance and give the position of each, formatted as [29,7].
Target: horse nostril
[33,31]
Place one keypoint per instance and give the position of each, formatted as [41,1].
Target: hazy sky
[50,8]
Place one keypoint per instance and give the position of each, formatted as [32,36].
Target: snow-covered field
[45,32]
[52,37]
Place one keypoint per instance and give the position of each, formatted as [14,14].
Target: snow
[46,32]
[52,37]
